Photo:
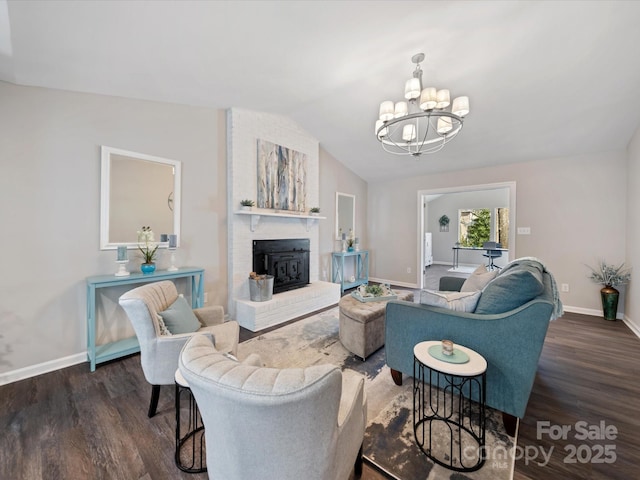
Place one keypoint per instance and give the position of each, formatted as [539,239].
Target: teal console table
[361,269]
[109,351]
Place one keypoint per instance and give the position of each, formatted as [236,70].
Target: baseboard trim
[41,368]
[632,326]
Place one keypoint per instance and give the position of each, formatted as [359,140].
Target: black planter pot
[609,296]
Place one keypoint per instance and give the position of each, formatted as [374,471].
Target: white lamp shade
[384,132]
[386,110]
[412,88]
[401,109]
[409,132]
[444,125]
[460,106]
[428,98]
[442,98]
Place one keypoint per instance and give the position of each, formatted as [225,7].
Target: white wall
[632,305]
[575,207]
[335,177]
[50,196]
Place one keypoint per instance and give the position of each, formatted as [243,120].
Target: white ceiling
[545,79]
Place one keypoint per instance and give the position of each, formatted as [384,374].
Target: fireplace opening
[286,259]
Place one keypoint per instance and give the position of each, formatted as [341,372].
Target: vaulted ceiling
[545,79]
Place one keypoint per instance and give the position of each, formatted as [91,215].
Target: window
[474,227]
[502,227]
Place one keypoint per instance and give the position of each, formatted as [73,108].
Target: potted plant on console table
[610,276]
[148,246]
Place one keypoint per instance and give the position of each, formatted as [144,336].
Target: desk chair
[491,253]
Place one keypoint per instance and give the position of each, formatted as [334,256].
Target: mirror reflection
[345,214]
[138,190]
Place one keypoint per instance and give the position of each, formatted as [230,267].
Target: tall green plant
[479,231]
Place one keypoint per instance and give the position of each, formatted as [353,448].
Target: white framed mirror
[345,214]
[137,190]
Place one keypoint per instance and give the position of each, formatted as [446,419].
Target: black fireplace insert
[286,259]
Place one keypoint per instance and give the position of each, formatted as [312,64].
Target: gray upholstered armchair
[159,349]
[276,424]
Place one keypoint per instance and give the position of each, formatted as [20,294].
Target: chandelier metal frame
[429,128]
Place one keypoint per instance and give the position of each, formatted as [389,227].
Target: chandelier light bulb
[444,125]
[460,106]
[401,109]
[428,98]
[442,97]
[386,110]
[409,132]
[412,88]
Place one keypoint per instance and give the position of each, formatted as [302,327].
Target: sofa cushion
[457,301]
[478,279]
[179,317]
[511,289]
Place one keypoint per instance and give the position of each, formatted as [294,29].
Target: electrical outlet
[564,287]
[408,269]
[206,298]
[524,230]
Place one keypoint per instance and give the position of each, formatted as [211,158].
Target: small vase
[148,268]
[609,296]
[350,249]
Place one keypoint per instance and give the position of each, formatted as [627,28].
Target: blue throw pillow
[179,317]
[510,290]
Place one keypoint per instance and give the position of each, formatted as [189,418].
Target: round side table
[190,453]
[449,401]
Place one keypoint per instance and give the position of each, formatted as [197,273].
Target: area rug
[389,444]
[460,269]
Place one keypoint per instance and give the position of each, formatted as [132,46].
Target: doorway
[435,243]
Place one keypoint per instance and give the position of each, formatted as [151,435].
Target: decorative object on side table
[173,244]
[444,223]
[610,276]
[148,247]
[351,241]
[374,293]
[122,261]
[247,204]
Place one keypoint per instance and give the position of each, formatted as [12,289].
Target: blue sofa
[507,328]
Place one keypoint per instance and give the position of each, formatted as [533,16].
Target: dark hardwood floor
[73,424]
[587,378]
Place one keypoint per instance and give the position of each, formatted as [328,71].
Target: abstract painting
[282,175]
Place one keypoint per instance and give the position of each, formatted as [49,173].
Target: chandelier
[422,124]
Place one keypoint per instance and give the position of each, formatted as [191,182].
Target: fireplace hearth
[286,259]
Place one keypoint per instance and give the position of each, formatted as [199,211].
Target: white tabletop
[475,366]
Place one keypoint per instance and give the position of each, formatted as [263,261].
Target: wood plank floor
[72,424]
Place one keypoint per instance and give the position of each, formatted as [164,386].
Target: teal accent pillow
[511,290]
[179,317]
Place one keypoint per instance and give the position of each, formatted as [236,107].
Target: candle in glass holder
[173,241]
[122,253]
[447,347]
[164,237]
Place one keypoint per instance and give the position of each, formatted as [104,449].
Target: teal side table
[109,351]
[361,268]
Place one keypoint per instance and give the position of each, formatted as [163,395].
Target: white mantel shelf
[256,214]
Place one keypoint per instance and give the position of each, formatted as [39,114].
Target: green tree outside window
[475,227]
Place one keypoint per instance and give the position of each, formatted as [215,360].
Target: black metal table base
[190,451]
[449,417]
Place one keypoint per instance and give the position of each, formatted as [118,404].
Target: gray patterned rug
[389,443]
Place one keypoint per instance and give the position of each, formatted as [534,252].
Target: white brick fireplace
[244,128]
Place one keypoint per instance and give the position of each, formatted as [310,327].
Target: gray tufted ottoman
[362,323]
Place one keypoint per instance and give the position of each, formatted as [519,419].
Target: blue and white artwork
[282,175]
